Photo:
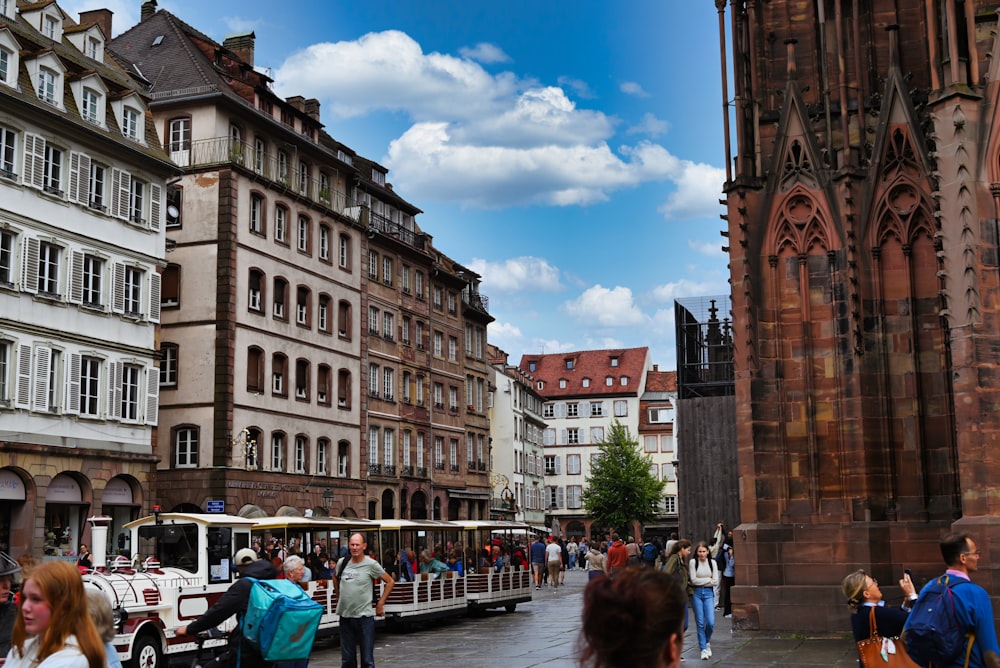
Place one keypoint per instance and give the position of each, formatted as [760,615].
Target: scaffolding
[704,347]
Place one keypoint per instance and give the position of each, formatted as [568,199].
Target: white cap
[245,556]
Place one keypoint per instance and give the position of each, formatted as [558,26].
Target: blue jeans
[704,614]
[353,629]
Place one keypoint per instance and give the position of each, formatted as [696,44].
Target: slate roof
[596,365]
[661,382]
[118,82]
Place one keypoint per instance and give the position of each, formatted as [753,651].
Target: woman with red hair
[635,618]
[53,627]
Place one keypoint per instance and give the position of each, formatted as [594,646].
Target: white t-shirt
[553,552]
[68,657]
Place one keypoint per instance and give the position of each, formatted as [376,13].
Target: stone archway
[388,505]
[418,506]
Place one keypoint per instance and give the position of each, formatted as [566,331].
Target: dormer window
[47,85]
[378,177]
[569,365]
[614,361]
[130,123]
[131,116]
[51,27]
[88,105]
[9,54]
[94,48]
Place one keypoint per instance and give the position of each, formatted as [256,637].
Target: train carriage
[489,588]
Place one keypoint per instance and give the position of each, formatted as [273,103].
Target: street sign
[215,506]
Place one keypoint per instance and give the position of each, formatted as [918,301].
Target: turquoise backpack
[281,620]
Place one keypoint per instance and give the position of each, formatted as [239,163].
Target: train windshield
[173,545]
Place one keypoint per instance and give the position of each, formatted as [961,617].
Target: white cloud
[685,288]
[503,330]
[699,187]
[485,52]
[632,88]
[517,274]
[389,70]
[606,308]
[707,247]
[487,140]
[237,24]
[649,125]
[539,346]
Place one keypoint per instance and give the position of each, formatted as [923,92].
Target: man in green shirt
[353,583]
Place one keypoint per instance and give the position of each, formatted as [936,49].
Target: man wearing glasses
[972,603]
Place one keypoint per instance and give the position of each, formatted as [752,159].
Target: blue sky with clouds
[570,152]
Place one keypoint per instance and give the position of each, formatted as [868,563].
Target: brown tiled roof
[595,365]
[661,381]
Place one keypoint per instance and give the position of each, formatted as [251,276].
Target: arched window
[324,243]
[255,291]
[302,379]
[303,237]
[323,314]
[344,389]
[258,206]
[301,454]
[280,298]
[281,224]
[277,451]
[303,312]
[279,372]
[255,370]
[344,319]
[323,456]
[344,257]
[323,380]
[343,458]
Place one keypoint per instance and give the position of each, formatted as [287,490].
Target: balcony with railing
[476,301]
[380,223]
[283,175]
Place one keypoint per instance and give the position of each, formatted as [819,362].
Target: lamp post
[328,497]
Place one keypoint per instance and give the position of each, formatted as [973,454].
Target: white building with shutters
[585,392]
[82,192]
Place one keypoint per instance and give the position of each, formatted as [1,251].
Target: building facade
[585,391]
[517,454]
[862,204]
[657,414]
[82,214]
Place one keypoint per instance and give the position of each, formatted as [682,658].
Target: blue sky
[570,152]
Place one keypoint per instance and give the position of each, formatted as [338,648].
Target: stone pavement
[544,634]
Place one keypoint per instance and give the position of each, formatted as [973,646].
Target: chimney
[148,9]
[296,101]
[656,367]
[312,109]
[99,17]
[241,45]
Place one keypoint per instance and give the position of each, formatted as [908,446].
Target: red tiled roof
[595,365]
[661,381]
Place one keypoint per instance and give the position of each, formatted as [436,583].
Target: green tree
[620,488]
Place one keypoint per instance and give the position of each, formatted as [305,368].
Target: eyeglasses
[873,584]
[978,553]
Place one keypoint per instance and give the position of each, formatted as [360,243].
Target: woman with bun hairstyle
[633,619]
[54,628]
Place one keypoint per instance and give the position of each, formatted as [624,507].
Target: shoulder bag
[876,651]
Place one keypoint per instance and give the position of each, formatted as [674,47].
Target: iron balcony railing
[476,301]
[380,223]
[284,174]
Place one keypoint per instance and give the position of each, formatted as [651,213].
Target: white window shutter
[155,207]
[40,394]
[582,435]
[152,394]
[114,390]
[76,276]
[560,497]
[29,265]
[22,398]
[118,287]
[154,296]
[563,436]
[558,464]
[34,160]
[71,405]
[121,192]
[79,178]
[585,409]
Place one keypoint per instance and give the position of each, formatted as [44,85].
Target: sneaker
[538,586]
[708,648]
[704,655]
[729,616]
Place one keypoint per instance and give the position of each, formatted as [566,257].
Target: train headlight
[118,615]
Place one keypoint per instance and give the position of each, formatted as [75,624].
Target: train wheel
[147,653]
[510,607]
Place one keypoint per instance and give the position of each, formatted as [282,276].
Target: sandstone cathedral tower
[863,198]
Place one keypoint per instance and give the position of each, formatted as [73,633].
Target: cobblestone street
[544,633]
